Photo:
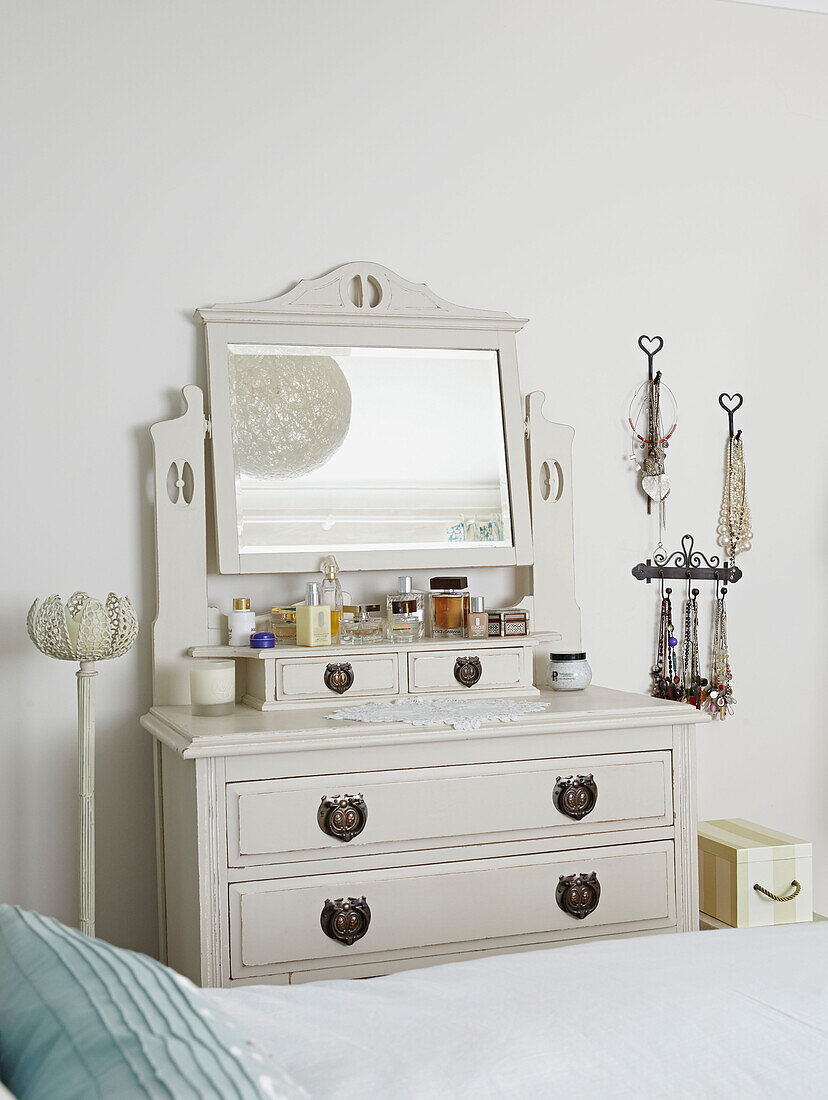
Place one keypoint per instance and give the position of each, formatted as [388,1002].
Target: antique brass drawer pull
[467,671]
[339,678]
[345,920]
[776,897]
[575,795]
[343,817]
[578,895]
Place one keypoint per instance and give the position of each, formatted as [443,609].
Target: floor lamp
[87,631]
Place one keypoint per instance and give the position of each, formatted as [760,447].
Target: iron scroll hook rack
[686,564]
[731,409]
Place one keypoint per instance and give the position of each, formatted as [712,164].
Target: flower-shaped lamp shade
[85,629]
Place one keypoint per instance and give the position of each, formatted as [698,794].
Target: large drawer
[304,678]
[275,924]
[490,668]
[277,820]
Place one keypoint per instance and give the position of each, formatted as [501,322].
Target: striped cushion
[80,1018]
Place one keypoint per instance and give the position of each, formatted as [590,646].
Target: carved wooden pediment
[356,292]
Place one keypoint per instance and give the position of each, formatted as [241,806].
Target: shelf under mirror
[518,641]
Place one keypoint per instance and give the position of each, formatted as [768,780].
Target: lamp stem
[86,793]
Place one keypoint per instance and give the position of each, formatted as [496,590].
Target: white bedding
[726,1014]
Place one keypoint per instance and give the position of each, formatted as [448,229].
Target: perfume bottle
[283,625]
[332,594]
[448,603]
[362,624]
[313,619]
[406,613]
[477,621]
[241,622]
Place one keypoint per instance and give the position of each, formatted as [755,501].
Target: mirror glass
[367,448]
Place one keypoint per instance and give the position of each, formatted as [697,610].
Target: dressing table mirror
[361,415]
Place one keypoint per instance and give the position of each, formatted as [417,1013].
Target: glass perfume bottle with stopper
[477,621]
[362,624]
[332,594]
[313,619]
[406,613]
[448,604]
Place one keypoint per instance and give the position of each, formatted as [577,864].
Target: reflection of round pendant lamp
[290,413]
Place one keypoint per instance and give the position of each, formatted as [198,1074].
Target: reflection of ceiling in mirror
[290,413]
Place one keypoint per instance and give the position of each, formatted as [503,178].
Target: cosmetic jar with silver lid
[569,671]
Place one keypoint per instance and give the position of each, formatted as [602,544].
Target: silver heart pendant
[656,486]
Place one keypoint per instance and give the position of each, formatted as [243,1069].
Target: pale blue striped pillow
[80,1018]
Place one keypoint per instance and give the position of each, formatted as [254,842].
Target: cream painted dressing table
[293,847]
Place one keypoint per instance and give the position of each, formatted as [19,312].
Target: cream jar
[569,671]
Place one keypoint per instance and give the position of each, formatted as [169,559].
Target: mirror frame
[362,305]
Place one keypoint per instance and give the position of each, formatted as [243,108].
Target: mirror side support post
[181,548]
[549,453]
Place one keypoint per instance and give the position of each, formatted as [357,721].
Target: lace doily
[460,714]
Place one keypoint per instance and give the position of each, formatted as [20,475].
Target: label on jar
[569,675]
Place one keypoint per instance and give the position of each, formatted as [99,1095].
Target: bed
[731,1014]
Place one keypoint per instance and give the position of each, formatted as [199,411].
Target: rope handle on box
[776,897]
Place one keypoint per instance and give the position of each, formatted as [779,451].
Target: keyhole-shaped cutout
[180,484]
[548,472]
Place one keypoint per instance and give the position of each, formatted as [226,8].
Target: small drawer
[467,669]
[357,675]
[481,902]
[286,820]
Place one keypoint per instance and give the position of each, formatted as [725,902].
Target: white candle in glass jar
[213,688]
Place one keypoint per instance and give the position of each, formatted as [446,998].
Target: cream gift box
[736,857]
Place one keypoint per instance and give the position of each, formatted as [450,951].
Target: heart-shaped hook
[731,408]
[650,345]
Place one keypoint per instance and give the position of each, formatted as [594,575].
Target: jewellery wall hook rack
[686,564]
[731,409]
[650,433]
[651,346]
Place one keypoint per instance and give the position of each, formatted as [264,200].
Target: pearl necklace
[735,530]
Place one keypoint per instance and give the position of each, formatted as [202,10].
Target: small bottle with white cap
[241,622]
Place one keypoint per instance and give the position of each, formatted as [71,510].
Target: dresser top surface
[249,730]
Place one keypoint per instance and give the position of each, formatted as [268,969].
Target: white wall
[606,169]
